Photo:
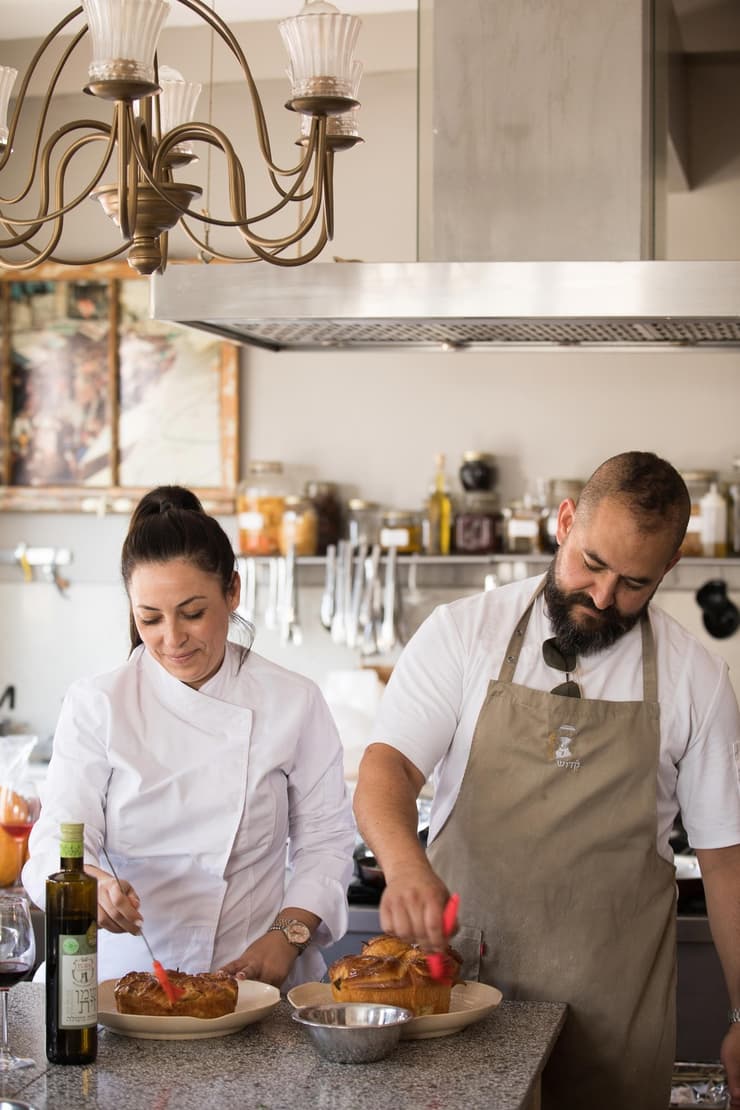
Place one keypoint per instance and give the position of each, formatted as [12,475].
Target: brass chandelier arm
[230,40]
[35,223]
[13,125]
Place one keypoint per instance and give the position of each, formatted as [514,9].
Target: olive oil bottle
[71,955]
[437,528]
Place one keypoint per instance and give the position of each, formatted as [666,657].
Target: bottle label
[78,980]
[523,527]
[394,537]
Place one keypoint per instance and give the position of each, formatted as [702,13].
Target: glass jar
[400,528]
[260,501]
[299,527]
[478,471]
[363,521]
[522,528]
[478,524]
[324,498]
[734,496]
[698,483]
[558,490]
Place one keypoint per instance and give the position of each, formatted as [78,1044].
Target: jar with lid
[522,527]
[260,500]
[698,483]
[734,495]
[323,496]
[477,471]
[299,527]
[479,524]
[558,490]
[363,521]
[401,528]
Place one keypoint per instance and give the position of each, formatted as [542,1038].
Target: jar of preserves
[325,500]
[522,527]
[363,521]
[478,524]
[260,501]
[698,483]
[478,471]
[401,528]
[299,527]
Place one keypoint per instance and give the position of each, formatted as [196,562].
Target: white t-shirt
[434,697]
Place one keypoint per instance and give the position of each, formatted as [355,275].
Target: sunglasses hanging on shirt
[561,661]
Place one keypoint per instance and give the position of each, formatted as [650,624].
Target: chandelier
[151,135]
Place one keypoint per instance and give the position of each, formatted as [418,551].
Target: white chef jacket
[432,702]
[196,793]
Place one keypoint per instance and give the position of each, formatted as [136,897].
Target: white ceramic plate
[255,1001]
[470,1002]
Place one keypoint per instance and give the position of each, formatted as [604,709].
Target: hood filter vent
[364,334]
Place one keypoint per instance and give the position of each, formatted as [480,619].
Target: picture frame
[99,403]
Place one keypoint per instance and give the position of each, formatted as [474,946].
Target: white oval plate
[470,1001]
[255,1001]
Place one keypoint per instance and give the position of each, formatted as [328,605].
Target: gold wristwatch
[295,932]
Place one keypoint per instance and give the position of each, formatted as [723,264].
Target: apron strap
[649,657]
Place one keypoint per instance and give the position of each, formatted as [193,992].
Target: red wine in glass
[12,971]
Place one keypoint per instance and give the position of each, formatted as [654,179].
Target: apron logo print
[559,747]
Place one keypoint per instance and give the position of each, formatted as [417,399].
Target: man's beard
[608,627]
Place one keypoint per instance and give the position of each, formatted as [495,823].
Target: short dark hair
[656,492]
[169,523]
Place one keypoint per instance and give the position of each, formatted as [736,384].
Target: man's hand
[412,904]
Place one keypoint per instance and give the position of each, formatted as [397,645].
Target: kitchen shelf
[470,572]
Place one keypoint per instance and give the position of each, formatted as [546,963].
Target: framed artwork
[99,403]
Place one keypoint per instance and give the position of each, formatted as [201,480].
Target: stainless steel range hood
[537,127]
[455,305]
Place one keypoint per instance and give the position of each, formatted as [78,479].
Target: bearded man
[567,723]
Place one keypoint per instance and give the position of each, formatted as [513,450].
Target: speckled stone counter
[271,1065]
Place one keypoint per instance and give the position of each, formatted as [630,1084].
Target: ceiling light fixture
[152,134]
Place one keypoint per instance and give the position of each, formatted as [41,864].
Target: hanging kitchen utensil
[248,603]
[353,616]
[169,988]
[387,633]
[271,608]
[327,598]
[367,614]
[290,629]
[338,628]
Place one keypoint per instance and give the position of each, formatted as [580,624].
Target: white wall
[374,421]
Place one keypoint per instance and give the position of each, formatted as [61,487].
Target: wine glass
[19,810]
[17,956]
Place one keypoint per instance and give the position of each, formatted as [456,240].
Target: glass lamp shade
[177,103]
[340,130]
[124,37]
[321,43]
[7,80]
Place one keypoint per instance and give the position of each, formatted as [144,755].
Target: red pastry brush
[437,961]
[169,988]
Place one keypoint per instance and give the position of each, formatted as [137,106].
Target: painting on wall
[99,403]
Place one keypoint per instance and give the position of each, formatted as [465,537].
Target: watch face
[297,933]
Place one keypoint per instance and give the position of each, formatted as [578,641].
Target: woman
[194,764]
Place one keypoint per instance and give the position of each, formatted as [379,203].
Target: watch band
[733,1015]
[282,924]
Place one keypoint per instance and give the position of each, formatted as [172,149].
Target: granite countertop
[271,1065]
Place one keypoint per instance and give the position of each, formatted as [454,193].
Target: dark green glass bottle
[71,955]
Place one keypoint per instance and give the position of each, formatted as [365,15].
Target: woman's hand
[268,960]
[118,903]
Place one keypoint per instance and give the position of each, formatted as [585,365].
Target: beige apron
[552,846]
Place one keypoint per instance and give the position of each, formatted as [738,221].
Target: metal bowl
[353,1032]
